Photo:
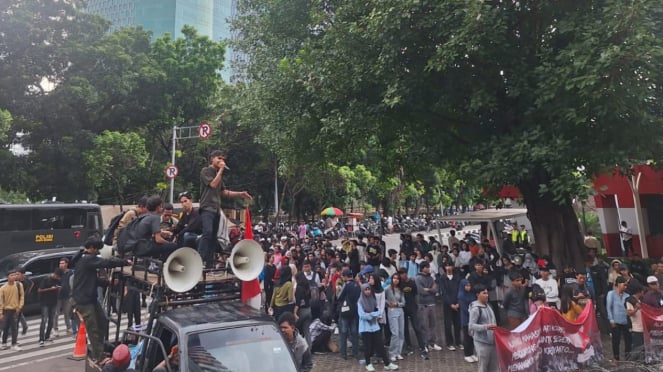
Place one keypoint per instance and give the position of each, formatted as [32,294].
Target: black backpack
[128,239]
[112,226]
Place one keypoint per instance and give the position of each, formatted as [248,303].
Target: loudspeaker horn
[247,259]
[182,269]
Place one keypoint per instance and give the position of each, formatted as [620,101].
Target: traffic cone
[80,349]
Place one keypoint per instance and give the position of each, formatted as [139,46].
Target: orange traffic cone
[80,349]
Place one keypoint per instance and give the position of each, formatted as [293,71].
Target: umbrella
[331,211]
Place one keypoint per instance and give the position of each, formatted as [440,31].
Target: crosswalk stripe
[60,347]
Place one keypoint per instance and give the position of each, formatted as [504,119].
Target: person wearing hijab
[465,297]
[369,328]
[284,297]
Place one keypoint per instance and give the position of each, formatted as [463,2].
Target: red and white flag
[251,292]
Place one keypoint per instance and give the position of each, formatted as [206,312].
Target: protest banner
[547,342]
[652,328]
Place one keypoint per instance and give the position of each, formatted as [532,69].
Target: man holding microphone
[211,190]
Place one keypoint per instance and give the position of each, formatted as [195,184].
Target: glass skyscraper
[209,17]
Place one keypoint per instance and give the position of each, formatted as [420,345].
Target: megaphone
[182,269]
[247,259]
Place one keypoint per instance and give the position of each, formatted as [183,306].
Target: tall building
[209,17]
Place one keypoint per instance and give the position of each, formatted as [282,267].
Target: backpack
[112,226]
[128,239]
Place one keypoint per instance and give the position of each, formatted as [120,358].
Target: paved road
[53,356]
[50,357]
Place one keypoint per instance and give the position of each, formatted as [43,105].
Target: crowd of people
[381,294]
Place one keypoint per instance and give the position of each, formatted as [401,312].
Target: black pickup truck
[210,328]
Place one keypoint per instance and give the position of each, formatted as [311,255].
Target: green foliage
[13,197]
[5,125]
[116,161]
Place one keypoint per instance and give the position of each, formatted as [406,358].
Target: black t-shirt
[409,289]
[373,255]
[49,297]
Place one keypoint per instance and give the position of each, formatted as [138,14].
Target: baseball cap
[367,269]
[347,272]
[652,279]
[623,267]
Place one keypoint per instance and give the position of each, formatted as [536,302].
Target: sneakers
[424,355]
[451,348]
[460,347]
[399,357]
[41,343]
[25,331]
[436,347]
[370,368]
[391,367]
[17,348]
[393,359]
[476,358]
[4,347]
[55,333]
[469,359]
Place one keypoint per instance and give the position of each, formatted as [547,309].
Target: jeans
[304,322]
[451,326]
[426,316]
[617,331]
[10,324]
[95,324]
[188,240]
[47,317]
[24,323]
[411,318]
[396,317]
[63,307]
[349,326]
[207,245]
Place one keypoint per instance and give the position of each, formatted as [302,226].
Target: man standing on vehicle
[211,190]
[48,299]
[86,264]
[63,306]
[12,299]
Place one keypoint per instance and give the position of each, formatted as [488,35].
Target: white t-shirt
[550,288]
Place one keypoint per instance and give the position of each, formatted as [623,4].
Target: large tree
[514,92]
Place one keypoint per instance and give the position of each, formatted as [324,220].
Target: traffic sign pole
[202,131]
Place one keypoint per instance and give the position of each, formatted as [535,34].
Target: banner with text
[547,342]
[652,324]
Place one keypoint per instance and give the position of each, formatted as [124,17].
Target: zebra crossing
[61,347]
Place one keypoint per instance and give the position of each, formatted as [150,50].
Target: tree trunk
[555,227]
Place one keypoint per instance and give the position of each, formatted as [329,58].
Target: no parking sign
[204,130]
[171,172]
